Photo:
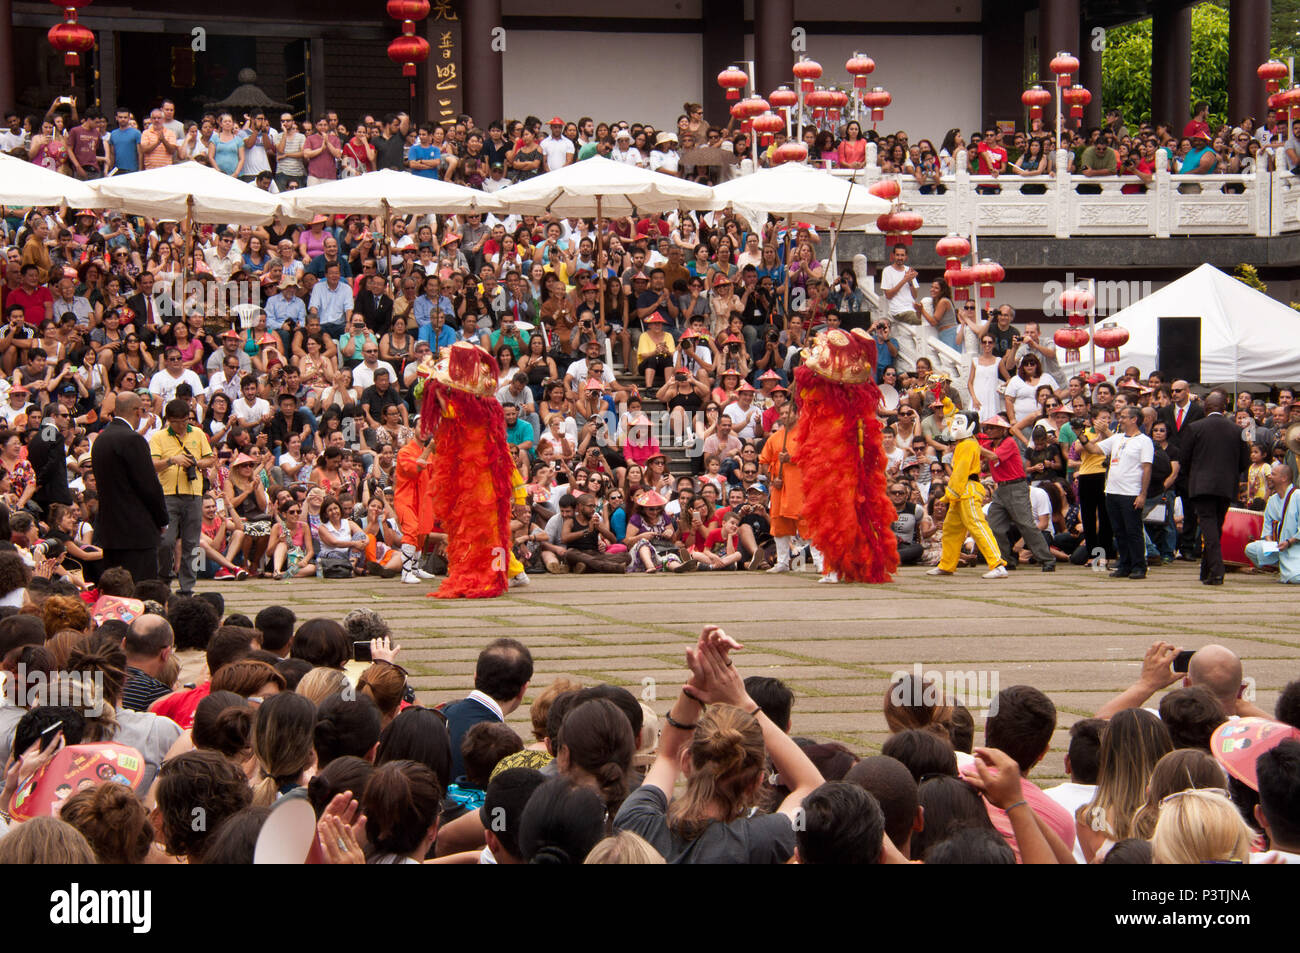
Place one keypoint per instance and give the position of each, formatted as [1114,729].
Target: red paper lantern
[1072,339]
[408,51]
[959,280]
[71,39]
[987,274]
[1077,97]
[1288,99]
[887,189]
[839,100]
[1077,304]
[783,97]
[1112,337]
[1064,65]
[898,227]
[789,152]
[747,109]
[1273,72]
[877,99]
[858,67]
[408,9]
[819,100]
[953,248]
[1037,99]
[807,72]
[767,125]
[733,80]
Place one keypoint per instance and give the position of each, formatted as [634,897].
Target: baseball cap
[556,121]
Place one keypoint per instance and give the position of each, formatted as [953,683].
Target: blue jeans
[1126,523]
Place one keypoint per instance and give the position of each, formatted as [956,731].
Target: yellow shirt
[964,484]
[645,346]
[165,444]
[1090,462]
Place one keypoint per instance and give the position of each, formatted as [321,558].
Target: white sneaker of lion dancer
[520,581]
[830,577]
[998,573]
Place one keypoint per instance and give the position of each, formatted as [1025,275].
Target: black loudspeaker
[1178,348]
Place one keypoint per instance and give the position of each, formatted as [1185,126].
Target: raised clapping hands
[714,678]
[340,831]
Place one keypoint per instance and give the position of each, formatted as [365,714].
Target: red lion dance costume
[471,471]
[839,451]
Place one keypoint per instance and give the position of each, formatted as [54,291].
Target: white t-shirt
[363,377]
[668,161]
[164,385]
[1041,504]
[556,152]
[743,420]
[629,156]
[905,301]
[1022,393]
[1072,796]
[250,414]
[578,371]
[1127,454]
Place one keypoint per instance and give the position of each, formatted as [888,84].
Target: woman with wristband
[727,738]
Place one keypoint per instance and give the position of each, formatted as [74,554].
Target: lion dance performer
[413,502]
[472,480]
[965,496]
[838,451]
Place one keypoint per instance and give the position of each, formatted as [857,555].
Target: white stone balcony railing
[1259,204]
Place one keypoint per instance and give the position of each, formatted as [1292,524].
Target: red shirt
[180,706]
[990,158]
[1009,465]
[1196,127]
[33,303]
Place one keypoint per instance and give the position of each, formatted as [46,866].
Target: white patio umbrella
[385,191]
[26,184]
[188,190]
[603,187]
[797,192]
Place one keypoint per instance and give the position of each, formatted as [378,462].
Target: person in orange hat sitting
[652,538]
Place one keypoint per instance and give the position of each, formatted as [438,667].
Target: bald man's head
[1219,670]
[127,404]
[148,636]
[1214,403]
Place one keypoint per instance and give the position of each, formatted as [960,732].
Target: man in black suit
[1179,415]
[47,454]
[1216,456]
[373,303]
[501,677]
[149,319]
[132,512]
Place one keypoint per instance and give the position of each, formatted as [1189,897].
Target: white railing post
[1262,198]
[961,206]
[1063,194]
[1163,189]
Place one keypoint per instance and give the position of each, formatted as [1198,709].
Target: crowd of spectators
[282,712]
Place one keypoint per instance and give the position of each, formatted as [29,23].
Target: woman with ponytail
[401,804]
[595,748]
[223,723]
[562,822]
[727,740]
[283,744]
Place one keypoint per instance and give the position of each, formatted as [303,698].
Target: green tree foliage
[1286,29]
[1126,65]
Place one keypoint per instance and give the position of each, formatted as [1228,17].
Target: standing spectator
[322,150]
[1216,457]
[1011,506]
[290,166]
[47,454]
[158,146]
[1179,415]
[557,148]
[85,147]
[1131,455]
[900,286]
[180,451]
[124,144]
[132,511]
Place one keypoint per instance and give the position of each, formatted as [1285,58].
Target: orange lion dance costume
[470,478]
[839,451]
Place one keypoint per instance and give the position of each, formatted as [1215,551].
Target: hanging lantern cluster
[953,248]
[70,37]
[807,72]
[987,274]
[1273,72]
[1289,100]
[733,80]
[898,226]
[408,50]
[1064,65]
[819,101]
[1111,337]
[1077,97]
[1037,99]
[747,110]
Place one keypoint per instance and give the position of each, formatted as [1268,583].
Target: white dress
[986,390]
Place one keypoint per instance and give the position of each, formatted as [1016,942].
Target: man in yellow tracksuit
[965,496]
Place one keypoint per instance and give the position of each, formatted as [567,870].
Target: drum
[1239,528]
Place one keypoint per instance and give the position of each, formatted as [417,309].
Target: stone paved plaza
[1076,634]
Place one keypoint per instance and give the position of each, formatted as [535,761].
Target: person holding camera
[180,452]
